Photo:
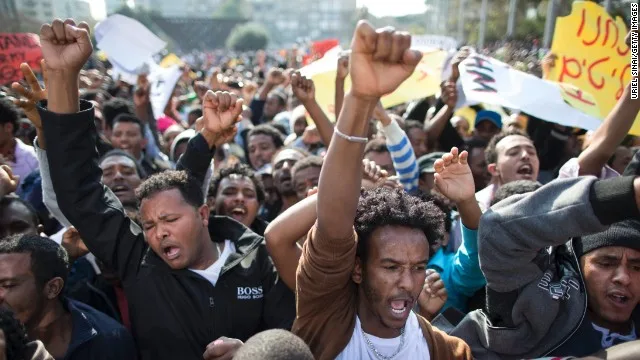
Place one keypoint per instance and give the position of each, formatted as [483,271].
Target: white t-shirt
[415,345]
[212,273]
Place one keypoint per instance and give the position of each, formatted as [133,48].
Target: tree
[233,9]
[249,36]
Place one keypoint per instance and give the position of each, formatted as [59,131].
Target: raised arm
[454,179]
[513,231]
[609,135]
[71,148]
[275,77]
[305,91]
[402,155]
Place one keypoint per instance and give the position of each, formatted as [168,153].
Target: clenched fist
[221,112]
[65,45]
[380,60]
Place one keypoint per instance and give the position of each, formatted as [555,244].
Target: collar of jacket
[221,228]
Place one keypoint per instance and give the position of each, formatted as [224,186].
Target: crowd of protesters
[241,223]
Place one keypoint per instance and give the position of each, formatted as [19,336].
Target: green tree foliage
[233,9]
[249,36]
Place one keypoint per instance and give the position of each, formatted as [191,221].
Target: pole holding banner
[550,24]
[511,25]
[483,24]
[461,8]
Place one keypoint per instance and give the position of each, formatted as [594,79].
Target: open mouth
[619,298]
[119,189]
[400,307]
[238,211]
[171,252]
[525,170]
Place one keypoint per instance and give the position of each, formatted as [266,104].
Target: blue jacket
[96,336]
[460,271]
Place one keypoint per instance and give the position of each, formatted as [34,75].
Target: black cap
[426,162]
[625,233]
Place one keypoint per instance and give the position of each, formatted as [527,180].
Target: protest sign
[162,82]
[425,80]
[126,41]
[433,42]
[592,56]
[15,49]
[487,80]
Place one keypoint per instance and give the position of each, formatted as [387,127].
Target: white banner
[487,80]
[433,42]
[126,41]
[162,82]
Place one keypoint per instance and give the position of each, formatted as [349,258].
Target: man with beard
[510,156]
[283,163]
[363,265]
[185,283]
[238,194]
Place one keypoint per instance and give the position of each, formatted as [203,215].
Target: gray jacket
[536,299]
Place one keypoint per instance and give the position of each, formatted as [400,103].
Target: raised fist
[303,88]
[65,45]
[221,112]
[380,60]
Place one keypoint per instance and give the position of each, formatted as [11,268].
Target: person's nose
[405,282]
[622,276]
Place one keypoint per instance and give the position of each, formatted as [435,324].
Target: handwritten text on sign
[16,48]
[593,56]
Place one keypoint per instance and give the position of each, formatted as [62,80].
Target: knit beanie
[625,233]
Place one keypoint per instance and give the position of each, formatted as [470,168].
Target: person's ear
[204,214]
[493,169]
[356,274]
[53,288]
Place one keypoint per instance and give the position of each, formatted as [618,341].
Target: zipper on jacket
[211,301]
[586,300]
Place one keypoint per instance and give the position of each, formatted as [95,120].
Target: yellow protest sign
[425,81]
[593,57]
[170,60]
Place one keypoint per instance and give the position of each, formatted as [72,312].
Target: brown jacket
[327,301]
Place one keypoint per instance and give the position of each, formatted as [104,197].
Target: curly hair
[15,335]
[241,170]
[189,187]
[382,207]
[270,131]
[490,153]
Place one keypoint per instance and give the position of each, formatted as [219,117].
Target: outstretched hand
[65,45]
[380,60]
[453,176]
[30,96]
[221,112]
[433,296]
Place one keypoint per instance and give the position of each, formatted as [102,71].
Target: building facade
[182,8]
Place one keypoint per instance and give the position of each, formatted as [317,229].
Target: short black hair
[118,152]
[7,201]
[307,162]
[412,124]
[9,113]
[48,259]
[474,143]
[280,127]
[128,118]
[281,96]
[274,344]
[381,207]
[189,187]
[237,169]
[376,145]
[270,131]
[197,112]
[490,153]
[114,107]
[15,335]
[515,188]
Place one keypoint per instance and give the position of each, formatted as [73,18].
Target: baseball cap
[488,115]
[426,162]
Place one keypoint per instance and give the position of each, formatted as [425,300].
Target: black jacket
[175,314]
